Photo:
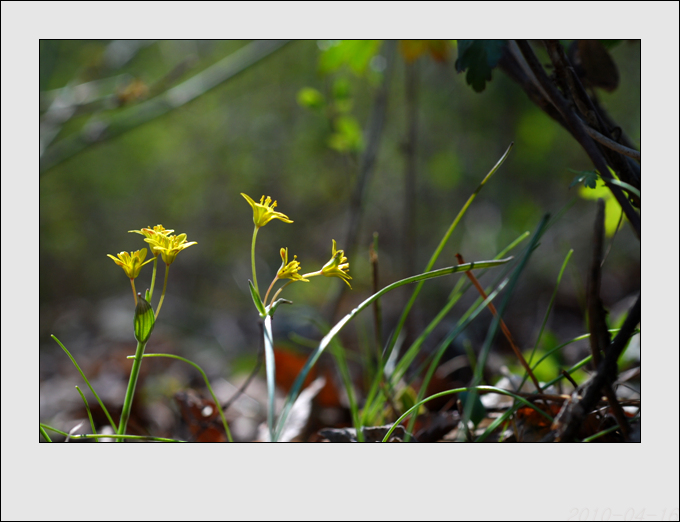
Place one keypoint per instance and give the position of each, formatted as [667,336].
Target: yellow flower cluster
[337,266]
[289,270]
[263,212]
[131,263]
[161,242]
[168,246]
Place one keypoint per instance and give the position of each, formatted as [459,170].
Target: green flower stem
[134,292]
[134,374]
[270,289]
[44,434]
[297,384]
[108,416]
[207,383]
[55,430]
[278,292]
[271,375]
[475,389]
[165,285]
[89,413]
[252,259]
[153,279]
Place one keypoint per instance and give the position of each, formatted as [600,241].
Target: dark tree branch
[510,65]
[98,131]
[586,106]
[577,129]
[613,145]
[606,372]
[599,335]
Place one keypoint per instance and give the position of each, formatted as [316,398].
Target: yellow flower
[168,246]
[152,233]
[263,212]
[337,266]
[289,270]
[131,263]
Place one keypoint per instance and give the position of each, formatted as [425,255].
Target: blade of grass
[339,353]
[271,374]
[438,251]
[405,362]
[504,328]
[44,427]
[89,413]
[547,312]
[44,434]
[460,327]
[579,338]
[373,402]
[55,430]
[471,389]
[477,378]
[205,378]
[120,437]
[297,385]
[514,408]
[106,412]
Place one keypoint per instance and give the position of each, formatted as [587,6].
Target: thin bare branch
[587,107]
[606,372]
[611,144]
[99,130]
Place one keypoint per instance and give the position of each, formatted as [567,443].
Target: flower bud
[144,320]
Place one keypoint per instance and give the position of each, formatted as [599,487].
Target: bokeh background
[139,133]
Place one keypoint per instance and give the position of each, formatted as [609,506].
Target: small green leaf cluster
[478,57]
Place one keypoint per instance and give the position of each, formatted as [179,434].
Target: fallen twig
[506,332]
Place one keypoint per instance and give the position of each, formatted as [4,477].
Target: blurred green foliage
[255,133]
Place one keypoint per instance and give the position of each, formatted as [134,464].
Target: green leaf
[256,299]
[587,177]
[478,57]
[612,209]
[272,307]
[341,89]
[144,320]
[342,95]
[347,137]
[354,53]
[310,98]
